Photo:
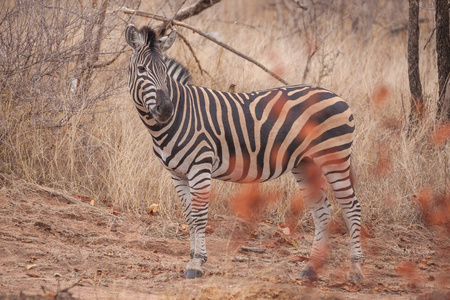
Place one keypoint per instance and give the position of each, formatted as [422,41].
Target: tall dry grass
[357,56]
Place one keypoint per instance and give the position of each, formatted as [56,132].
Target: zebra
[177,71]
[200,133]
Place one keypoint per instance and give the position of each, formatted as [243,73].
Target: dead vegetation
[67,121]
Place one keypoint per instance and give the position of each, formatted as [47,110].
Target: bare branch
[194,9]
[300,5]
[207,36]
[182,14]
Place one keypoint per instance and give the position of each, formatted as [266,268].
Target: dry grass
[110,157]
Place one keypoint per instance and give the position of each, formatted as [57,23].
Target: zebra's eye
[141,69]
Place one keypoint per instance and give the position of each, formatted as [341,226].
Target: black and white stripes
[177,71]
[199,134]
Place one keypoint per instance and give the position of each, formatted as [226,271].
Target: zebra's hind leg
[337,171]
[308,176]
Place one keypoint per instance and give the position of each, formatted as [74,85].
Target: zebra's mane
[177,71]
[150,37]
[174,68]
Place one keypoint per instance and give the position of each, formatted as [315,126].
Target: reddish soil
[50,241]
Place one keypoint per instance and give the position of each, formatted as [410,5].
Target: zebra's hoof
[308,273]
[355,272]
[192,274]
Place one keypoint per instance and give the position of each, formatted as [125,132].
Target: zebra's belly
[247,169]
[248,179]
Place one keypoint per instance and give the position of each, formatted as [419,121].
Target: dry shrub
[91,142]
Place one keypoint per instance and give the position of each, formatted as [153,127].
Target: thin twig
[405,27]
[55,192]
[405,117]
[7,144]
[186,42]
[445,85]
[308,61]
[112,60]
[235,23]
[181,5]
[72,286]
[429,39]
[207,36]
[248,259]
[253,249]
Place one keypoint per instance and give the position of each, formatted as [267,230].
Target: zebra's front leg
[200,186]
[196,213]
[184,192]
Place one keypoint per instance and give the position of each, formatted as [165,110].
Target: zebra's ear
[167,41]
[134,37]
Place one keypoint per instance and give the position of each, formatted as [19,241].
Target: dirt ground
[56,245]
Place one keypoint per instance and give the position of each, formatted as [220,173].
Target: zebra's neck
[177,71]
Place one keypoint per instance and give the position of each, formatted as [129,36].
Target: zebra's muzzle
[163,109]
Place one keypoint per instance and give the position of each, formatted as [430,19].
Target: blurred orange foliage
[408,270]
[247,202]
[441,135]
[380,96]
[435,208]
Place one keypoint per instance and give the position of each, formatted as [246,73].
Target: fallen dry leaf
[32,275]
[152,209]
[274,280]
[49,295]
[254,233]
[115,212]
[287,240]
[208,229]
[29,267]
[83,198]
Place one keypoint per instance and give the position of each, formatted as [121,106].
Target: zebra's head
[148,71]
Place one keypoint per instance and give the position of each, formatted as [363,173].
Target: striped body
[251,137]
[199,134]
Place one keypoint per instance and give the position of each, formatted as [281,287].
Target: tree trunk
[417,104]
[443,56]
